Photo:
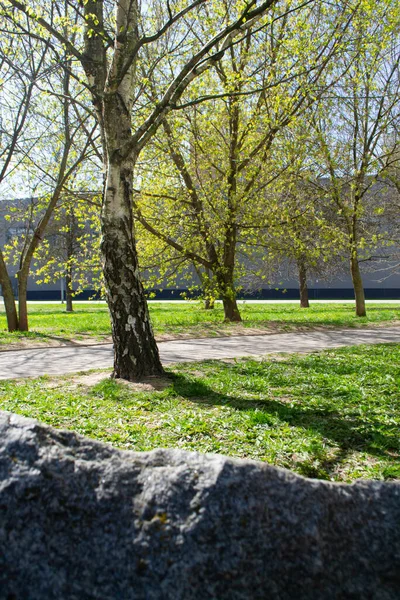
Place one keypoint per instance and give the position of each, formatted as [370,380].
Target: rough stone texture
[80,520]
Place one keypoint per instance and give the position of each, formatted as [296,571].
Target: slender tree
[70,250]
[64,142]
[351,128]
[21,67]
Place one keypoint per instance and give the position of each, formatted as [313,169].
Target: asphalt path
[71,359]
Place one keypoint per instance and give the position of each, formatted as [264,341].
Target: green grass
[50,322]
[332,415]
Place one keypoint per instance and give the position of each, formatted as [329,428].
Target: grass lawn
[332,415]
[50,324]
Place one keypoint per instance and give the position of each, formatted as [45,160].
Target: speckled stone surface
[81,520]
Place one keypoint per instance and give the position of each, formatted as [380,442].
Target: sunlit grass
[332,415]
[91,321]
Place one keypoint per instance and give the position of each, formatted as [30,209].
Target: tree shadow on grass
[351,433]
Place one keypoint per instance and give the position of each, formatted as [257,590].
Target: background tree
[71,249]
[350,129]
[21,67]
[63,140]
[212,195]
[305,244]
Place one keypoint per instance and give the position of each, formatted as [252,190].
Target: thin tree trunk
[206,283]
[228,292]
[135,350]
[70,252]
[40,228]
[228,296]
[304,302]
[358,286]
[209,303]
[68,291]
[227,288]
[22,300]
[8,296]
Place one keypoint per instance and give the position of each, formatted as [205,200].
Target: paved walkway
[70,359]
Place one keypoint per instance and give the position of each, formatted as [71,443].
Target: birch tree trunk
[135,350]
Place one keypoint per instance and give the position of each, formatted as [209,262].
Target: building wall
[337,287]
